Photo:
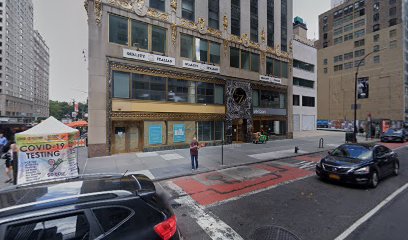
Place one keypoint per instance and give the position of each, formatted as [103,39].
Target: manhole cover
[273,233]
[214,177]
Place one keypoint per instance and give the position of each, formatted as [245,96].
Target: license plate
[334,176]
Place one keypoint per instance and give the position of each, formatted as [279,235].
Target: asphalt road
[310,209]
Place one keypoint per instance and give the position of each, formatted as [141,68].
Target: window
[338,31]
[393,22]
[245,60]
[303,65]
[393,11]
[111,217]
[205,92]
[63,227]
[121,85]
[157,4]
[234,57]
[145,87]
[338,40]
[348,27]
[376,59]
[284,69]
[214,14]
[376,38]
[308,101]
[358,62]
[359,43]
[219,94]
[270,23]
[255,98]
[254,20]
[276,68]
[140,35]
[348,56]
[235,17]
[284,25]
[325,61]
[359,23]
[338,67]
[210,131]
[187,9]
[325,70]
[376,17]
[178,90]
[348,37]
[359,53]
[393,2]
[303,82]
[393,44]
[393,33]
[118,30]
[199,49]
[296,100]
[254,62]
[271,99]
[338,58]
[376,27]
[348,65]
[376,48]
[359,33]
[376,7]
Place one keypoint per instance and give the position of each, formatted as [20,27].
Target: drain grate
[214,177]
[273,233]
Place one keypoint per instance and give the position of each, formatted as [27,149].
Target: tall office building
[17,62]
[372,34]
[41,76]
[163,71]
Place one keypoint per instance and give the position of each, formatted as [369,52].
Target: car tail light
[166,229]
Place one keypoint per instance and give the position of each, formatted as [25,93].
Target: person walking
[14,161]
[6,156]
[3,143]
[194,146]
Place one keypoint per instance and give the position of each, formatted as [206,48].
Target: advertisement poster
[179,133]
[155,134]
[46,157]
[363,88]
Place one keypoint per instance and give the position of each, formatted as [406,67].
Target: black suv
[86,207]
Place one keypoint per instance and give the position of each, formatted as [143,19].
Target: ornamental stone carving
[201,26]
[98,11]
[126,4]
[140,8]
[173,5]
[174,34]
[156,14]
[225,23]
[263,37]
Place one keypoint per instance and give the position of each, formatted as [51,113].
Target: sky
[63,25]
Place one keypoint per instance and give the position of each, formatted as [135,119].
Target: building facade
[304,79]
[370,34]
[17,62]
[41,77]
[164,71]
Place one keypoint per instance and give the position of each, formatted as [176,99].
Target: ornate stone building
[164,71]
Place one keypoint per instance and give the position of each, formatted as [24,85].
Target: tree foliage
[61,110]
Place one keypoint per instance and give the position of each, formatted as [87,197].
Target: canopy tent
[78,124]
[47,151]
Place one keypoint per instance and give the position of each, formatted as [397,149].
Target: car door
[384,160]
[380,160]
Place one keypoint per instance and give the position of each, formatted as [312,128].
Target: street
[247,202]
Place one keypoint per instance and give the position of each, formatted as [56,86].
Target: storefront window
[192,92]
[146,87]
[282,101]
[255,98]
[245,60]
[177,90]
[120,85]
[219,94]
[254,62]
[205,92]
[215,53]
[158,39]
[201,50]
[219,131]
[186,46]
[270,99]
[118,30]
[205,131]
[234,57]
[140,35]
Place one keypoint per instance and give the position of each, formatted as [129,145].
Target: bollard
[296,149]
[321,143]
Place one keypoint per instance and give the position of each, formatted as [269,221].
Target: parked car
[394,135]
[87,207]
[363,164]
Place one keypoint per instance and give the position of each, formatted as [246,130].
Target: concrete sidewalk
[173,163]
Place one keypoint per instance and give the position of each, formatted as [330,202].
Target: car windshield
[394,131]
[353,151]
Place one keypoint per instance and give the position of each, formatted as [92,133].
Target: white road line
[373,211]
[212,225]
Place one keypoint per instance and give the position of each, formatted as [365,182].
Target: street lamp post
[355,92]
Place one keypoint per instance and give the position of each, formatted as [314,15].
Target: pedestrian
[194,146]
[3,143]
[7,160]
[14,160]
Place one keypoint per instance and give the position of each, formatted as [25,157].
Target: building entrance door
[239,127]
[127,137]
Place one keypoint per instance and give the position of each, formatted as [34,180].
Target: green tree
[61,110]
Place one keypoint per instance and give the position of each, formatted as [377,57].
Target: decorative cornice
[126,4]
[188,24]
[98,11]
[214,32]
[157,14]
[123,116]
[174,34]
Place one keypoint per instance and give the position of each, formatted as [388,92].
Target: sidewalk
[173,163]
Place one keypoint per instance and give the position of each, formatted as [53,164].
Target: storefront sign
[179,133]
[270,79]
[143,56]
[155,134]
[270,111]
[201,66]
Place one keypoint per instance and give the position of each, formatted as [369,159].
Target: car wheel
[396,169]
[374,180]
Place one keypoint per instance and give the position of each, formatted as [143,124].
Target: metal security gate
[296,122]
[308,122]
